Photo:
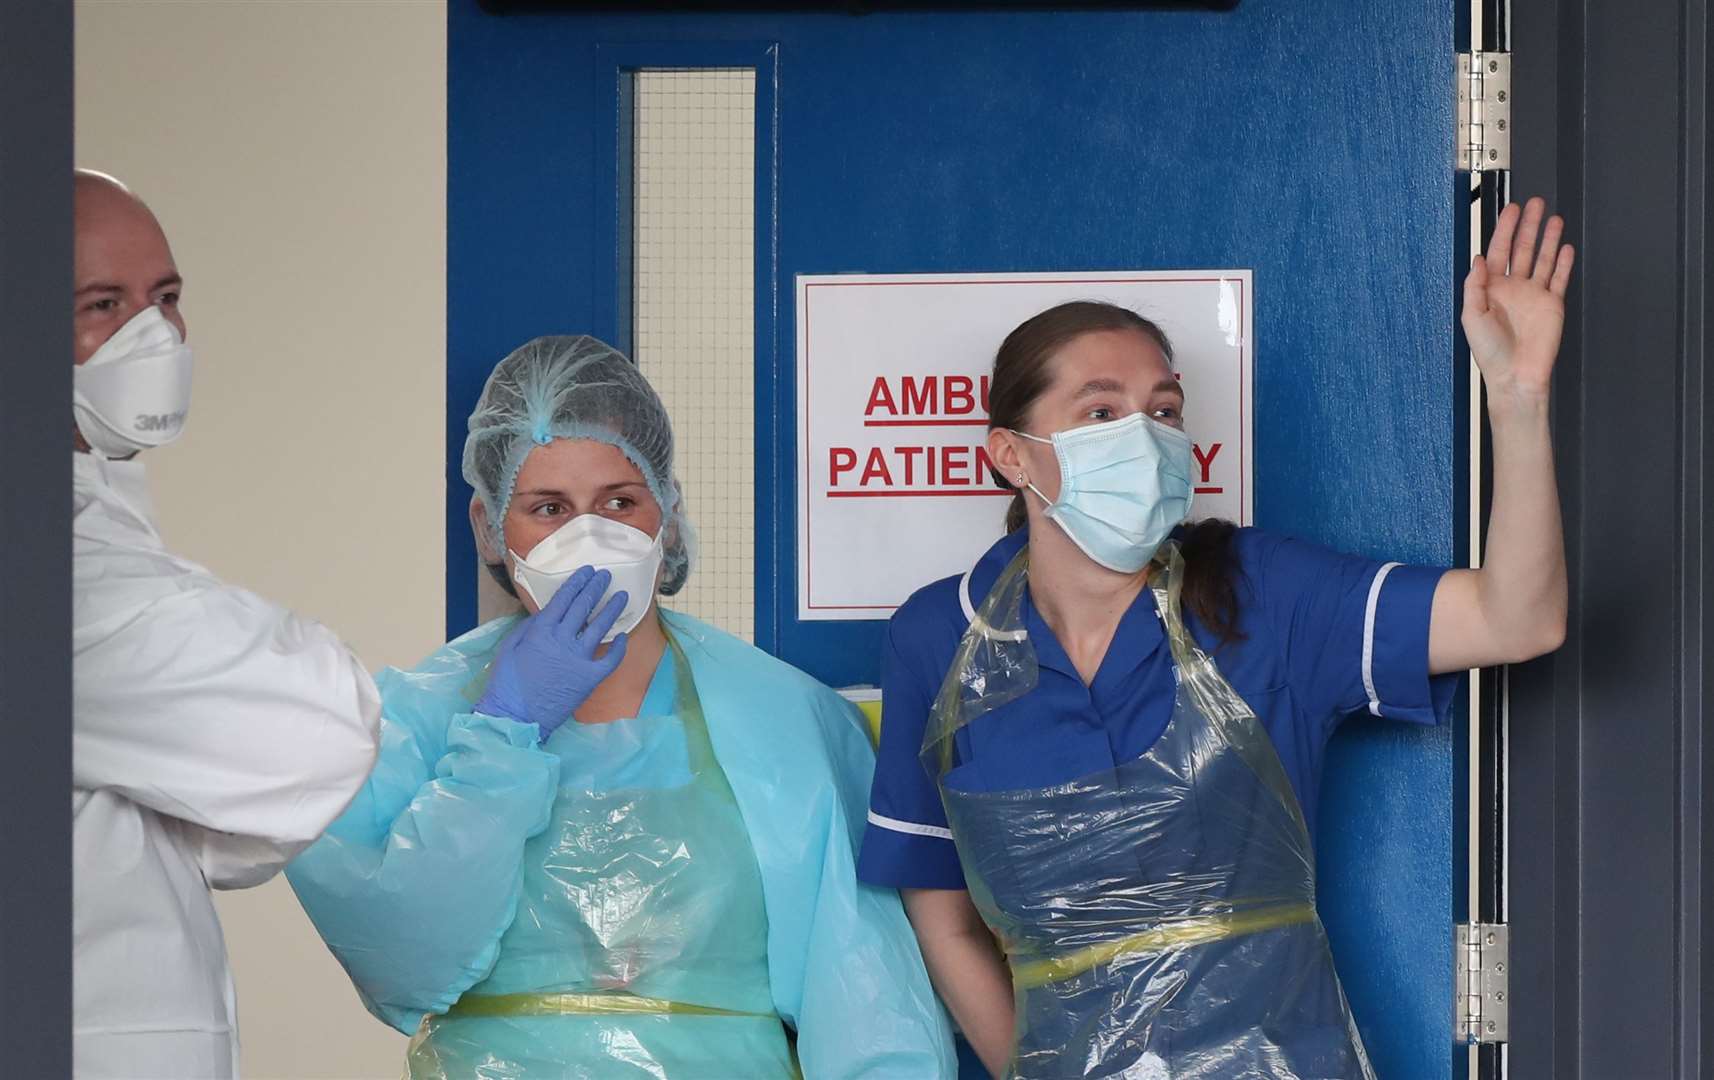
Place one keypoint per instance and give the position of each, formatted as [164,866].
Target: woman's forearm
[967,970]
[1514,607]
[971,977]
[1522,586]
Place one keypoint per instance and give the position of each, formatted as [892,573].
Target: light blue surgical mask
[1123,485]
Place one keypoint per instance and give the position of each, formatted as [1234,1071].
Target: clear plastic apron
[640,944]
[1158,917]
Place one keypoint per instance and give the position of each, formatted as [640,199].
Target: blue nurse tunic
[1324,635]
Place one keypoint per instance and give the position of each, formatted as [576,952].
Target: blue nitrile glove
[547,667]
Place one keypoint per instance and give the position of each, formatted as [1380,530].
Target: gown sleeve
[868,1009]
[843,962]
[247,725]
[413,887]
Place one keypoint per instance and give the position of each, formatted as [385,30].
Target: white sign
[894,489]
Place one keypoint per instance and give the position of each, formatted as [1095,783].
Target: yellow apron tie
[1177,934]
[583,1004]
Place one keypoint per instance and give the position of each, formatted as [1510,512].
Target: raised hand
[548,667]
[1514,301]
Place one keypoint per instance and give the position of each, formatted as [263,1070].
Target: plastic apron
[1158,917]
[639,948]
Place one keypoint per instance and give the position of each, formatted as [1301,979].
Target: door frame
[35,535]
[1609,763]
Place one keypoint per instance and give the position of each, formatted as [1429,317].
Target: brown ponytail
[1209,572]
[1023,369]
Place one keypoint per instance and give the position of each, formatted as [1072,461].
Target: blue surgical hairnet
[575,388]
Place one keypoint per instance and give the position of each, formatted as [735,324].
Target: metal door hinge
[1482,959]
[1484,111]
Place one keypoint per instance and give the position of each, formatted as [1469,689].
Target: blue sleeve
[1354,631]
[907,844]
[413,886]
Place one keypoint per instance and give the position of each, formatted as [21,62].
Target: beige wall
[296,153]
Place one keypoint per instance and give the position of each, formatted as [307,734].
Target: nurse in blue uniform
[1103,744]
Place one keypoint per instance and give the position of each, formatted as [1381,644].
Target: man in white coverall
[214,734]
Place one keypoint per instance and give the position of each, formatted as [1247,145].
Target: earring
[1022,480]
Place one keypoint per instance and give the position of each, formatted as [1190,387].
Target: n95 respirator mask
[134,392]
[632,556]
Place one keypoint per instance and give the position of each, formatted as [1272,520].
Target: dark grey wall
[35,537]
[1612,818]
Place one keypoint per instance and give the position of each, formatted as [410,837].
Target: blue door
[1308,140]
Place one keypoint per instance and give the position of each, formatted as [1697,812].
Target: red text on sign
[929,397]
[1205,461]
[904,467]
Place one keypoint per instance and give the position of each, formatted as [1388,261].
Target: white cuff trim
[1369,637]
[911,827]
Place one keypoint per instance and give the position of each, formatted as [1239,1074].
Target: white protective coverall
[215,735]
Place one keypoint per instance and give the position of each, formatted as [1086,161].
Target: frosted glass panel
[694,308]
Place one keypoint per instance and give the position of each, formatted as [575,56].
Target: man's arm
[215,707]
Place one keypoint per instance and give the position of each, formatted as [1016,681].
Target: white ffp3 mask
[134,392]
[632,556]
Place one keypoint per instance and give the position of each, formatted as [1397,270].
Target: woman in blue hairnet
[605,839]
[1102,745]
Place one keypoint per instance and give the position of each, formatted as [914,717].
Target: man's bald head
[94,179]
[122,262]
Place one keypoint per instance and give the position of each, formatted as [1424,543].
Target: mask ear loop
[1023,480]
